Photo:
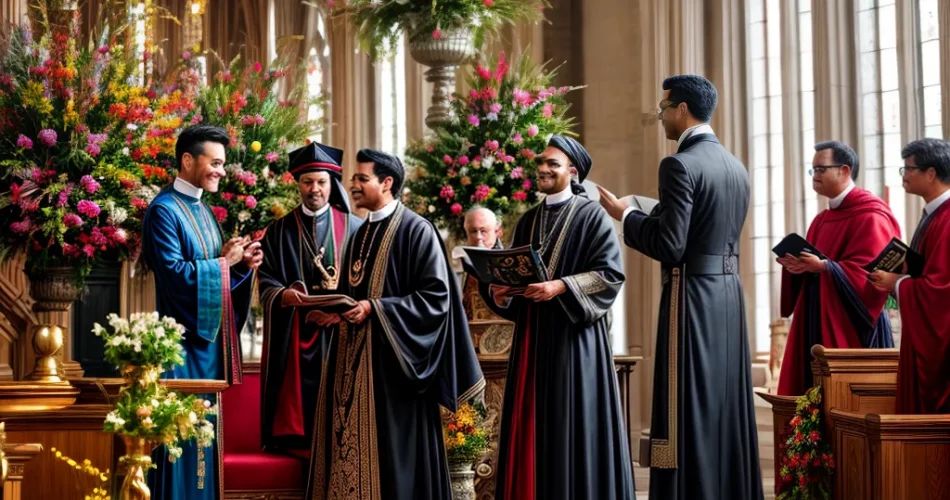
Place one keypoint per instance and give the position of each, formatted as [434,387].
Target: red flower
[227,196]
[796,421]
[456,209]
[139,203]
[220,213]
[259,234]
[813,436]
[519,195]
[803,481]
[816,462]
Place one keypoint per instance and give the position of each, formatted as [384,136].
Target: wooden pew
[891,457]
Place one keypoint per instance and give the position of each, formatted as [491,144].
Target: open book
[643,203]
[332,304]
[513,267]
[893,258]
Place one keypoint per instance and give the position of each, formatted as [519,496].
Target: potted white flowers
[147,414]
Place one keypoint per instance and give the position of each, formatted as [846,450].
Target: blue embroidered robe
[182,246]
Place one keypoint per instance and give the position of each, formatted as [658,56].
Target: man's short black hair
[384,165]
[930,153]
[696,91]
[842,154]
[192,140]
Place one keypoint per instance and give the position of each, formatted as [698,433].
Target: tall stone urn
[53,290]
[462,476]
[443,56]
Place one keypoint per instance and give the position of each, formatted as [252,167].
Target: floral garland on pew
[808,465]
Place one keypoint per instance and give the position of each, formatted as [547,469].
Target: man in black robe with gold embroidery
[703,438]
[563,435]
[400,353]
[302,254]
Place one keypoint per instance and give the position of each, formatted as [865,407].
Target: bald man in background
[482,229]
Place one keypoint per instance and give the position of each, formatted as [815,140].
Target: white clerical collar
[702,128]
[554,199]
[384,212]
[310,213]
[936,202]
[836,201]
[186,188]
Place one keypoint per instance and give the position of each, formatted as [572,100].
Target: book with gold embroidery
[330,303]
[893,258]
[513,267]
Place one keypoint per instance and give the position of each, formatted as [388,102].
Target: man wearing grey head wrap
[563,435]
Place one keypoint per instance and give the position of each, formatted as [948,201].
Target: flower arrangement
[65,197]
[243,100]
[91,479]
[464,434]
[380,23]
[142,347]
[807,465]
[485,155]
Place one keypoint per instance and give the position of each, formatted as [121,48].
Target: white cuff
[626,212]
[897,288]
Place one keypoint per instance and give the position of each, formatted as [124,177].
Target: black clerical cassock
[302,247]
[378,431]
[562,431]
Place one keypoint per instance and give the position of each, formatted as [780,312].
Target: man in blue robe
[204,283]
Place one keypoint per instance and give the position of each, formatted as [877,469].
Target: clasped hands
[357,315]
[804,263]
[538,292]
[241,249]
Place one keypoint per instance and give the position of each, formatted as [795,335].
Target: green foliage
[808,465]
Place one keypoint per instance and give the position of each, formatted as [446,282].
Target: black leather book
[893,257]
[514,267]
[794,245]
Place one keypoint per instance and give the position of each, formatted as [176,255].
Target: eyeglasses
[821,169]
[902,170]
[664,107]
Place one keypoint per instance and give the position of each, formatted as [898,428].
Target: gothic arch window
[930,98]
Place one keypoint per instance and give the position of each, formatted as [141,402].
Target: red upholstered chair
[250,473]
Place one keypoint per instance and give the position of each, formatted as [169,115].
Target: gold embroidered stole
[352,448]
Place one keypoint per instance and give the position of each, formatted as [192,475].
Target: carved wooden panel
[853,464]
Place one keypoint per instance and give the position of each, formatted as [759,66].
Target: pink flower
[473,94]
[144,411]
[495,108]
[72,220]
[89,184]
[517,173]
[220,111]
[430,149]
[272,157]
[447,160]
[492,145]
[250,202]
[24,142]
[63,196]
[257,67]
[532,131]
[517,139]
[196,119]
[456,209]
[548,110]
[21,227]
[186,55]
[488,3]
[447,192]
[220,213]
[88,208]
[249,178]
[483,72]
[89,250]
[227,196]
[527,153]
[437,34]
[463,160]
[481,193]
[120,236]
[473,119]
[139,203]
[104,49]
[70,250]
[526,185]
[509,158]
[521,97]
[519,196]
[47,137]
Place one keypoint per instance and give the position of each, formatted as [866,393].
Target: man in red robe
[831,301]
[923,380]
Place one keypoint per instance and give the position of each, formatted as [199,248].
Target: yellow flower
[256,146]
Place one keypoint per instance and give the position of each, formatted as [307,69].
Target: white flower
[492,117]
[125,151]
[132,126]
[159,332]
[192,417]
[244,215]
[98,330]
[116,340]
[265,172]
[207,404]
[488,161]
[463,171]
[431,209]
[155,403]
[147,423]
[119,215]
[406,191]
[500,180]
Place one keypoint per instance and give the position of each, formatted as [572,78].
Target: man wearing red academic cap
[302,255]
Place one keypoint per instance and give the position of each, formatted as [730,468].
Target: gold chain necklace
[358,269]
